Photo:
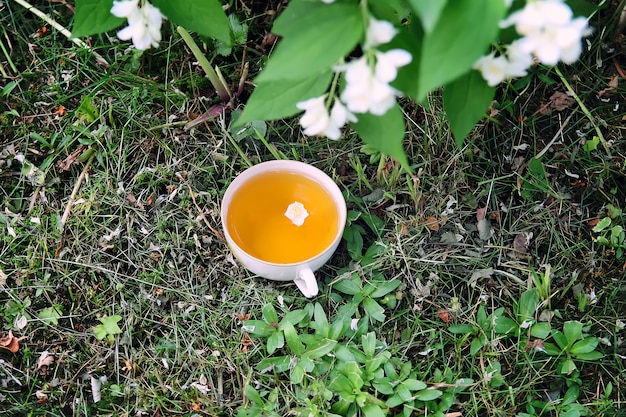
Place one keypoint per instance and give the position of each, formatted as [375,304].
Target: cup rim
[300,167]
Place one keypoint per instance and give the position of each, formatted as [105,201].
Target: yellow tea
[258,217]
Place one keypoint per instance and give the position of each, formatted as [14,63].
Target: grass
[142,241]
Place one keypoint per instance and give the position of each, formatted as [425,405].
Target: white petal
[126,33]
[297,213]
[379,32]
[124,8]
[387,63]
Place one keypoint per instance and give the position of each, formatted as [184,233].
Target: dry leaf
[521,242]
[10,342]
[45,359]
[67,162]
[445,316]
[480,213]
[432,223]
[558,101]
[613,83]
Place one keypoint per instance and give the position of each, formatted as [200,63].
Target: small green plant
[572,344]
[481,331]
[611,233]
[108,328]
[525,321]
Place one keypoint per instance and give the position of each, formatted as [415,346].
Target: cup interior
[257,220]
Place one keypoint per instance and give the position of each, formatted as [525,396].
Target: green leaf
[540,330]
[428,12]
[584,346]
[477,345]
[414,384]
[452,47]
[374,310]
[321,348]
[384,288]
[560,340]
[324,36]
[385,133]
[347,286]
[368,341]
[275,364]
[527,305]
[566,367]
[592,144]
[466,100]
[321,322]
[505,325]
[277,99]
[292,339]
[571,395]
[297,374]
[602,224]
[428,395]
[108,328]
[94,16]
[462,329]
[50,315]
[205,17]
[573,330]
[372,410]
[258,327]
[275,341]
[354,374]
[269,314]
[591,356]
[294,317]
[551,349]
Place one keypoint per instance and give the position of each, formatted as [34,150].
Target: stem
[61,29]
[585,110]
[79,181]
[219,86]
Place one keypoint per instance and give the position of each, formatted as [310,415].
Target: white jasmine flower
[379,32]
[369,91]
[519,60]
[620,325]
[297,213]
[387,63]
[338,117]
[493,68]
[328,1]
[144,23]
[548,31]
[315,119]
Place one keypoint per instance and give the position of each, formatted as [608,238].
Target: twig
[61,29]
[79,181]
[193,198]
[556,136]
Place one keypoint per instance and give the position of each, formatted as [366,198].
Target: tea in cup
[283,220]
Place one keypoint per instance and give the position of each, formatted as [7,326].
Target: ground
[120,297]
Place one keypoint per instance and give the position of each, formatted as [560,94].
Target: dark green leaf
[278,99]
[205,17]
[466,100]
[325,35]
[276,364]
[321,322]
[560,339]
[428,395]
[462,329]
[94,16]
[292,339]
[591,356]
[321,348]
[347,286]
[527,306]
[385,133]
[275,341]
[384,288]
[505,325]
[294,317]
[477,344]
[540,330]
[573,330]
[269,314]
[374,310]
[449,49]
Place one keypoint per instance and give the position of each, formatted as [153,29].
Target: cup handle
[307,283]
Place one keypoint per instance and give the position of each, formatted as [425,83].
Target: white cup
[300,272]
